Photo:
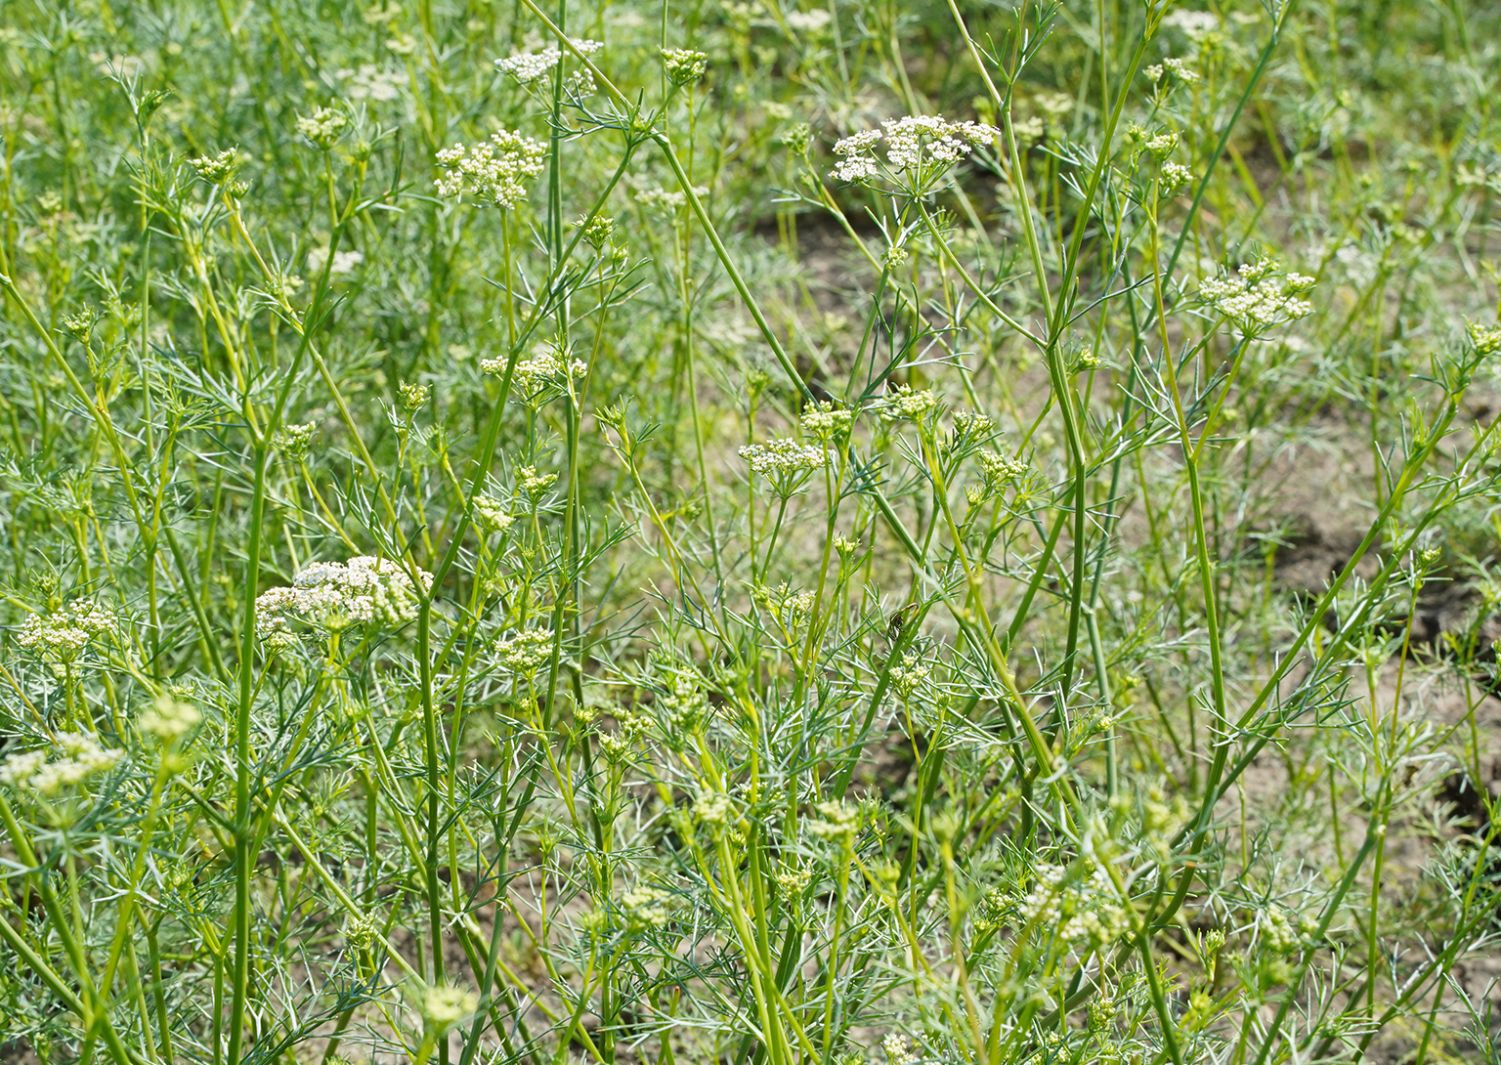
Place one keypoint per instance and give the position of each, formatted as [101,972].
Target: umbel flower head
[920,150]
[494,171]
[1259,295]
[76,758]
[323,126]
[787,464]
[62,636]
[684,65]
[781,456]
[527,67]
[444,1006]
[337,595]
[525,652]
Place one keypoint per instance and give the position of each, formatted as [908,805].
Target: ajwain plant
[774,532]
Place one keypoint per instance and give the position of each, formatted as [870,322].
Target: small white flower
[898,1049]
[494,171]
[1174,177]
[527,67]
[344,261]
[919,150]
[323,126]
[712,807]
[77,758]
[1194,24]
[61,637]
[809,23]
[1259,295]
[907,402]
[491,515]
[525,652]
[835,820]
[1485,338]
[336,595]
[372,83]
[826,421]
[781,458]
[912,674]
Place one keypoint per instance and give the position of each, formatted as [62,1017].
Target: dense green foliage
[540,533]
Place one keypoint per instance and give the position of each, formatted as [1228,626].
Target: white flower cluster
[782,458]
[1485,338]
[323,126]
[1084,916]
[928,144]
[216,168]
[62,636]
[1000,470]
[898,1050]
[534,483]
[491,514]
[1259,295]
[336,595]
[904,401]
[712,807]
[494,171]
[911,675]
[918,139]
[1174,177]
[344,261]
[809,23]
[684,703]
[532,374]
[1175,69]
[791,880]
[666,201]
[414,394]
[372,83]
[630,727]
[856,163]
[1194,24]
[525,652]
[973,424]
[294,440]
[1474,176]
[527,67]
[1030,129]
[1162,144]
[81,758]
[1053,105]
[684,65]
